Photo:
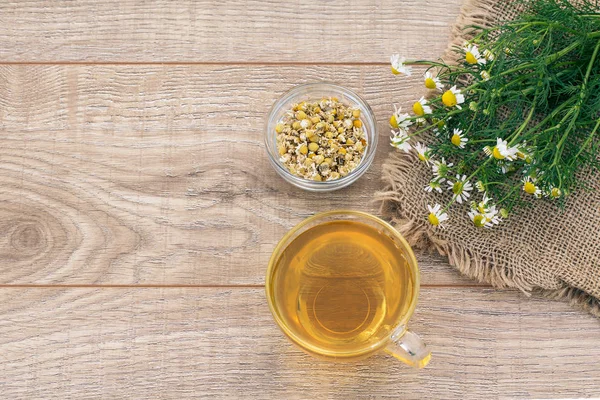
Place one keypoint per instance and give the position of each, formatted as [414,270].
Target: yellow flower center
[496,154]
[455,140]
[440,124]
[430,83]
[422,157]
[470,58]
[418,109]
[457,188]
[395,71]
[394,121]
[555,192]
[449,99]
[481,208]
[433,219]
[529,187]
[479,220]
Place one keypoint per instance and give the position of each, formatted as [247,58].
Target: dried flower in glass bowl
[321,137]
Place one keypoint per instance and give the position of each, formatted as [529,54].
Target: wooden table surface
[138,209]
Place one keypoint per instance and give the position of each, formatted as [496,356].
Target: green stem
[582,95]
[549,59]
[553,57]
[498,183]
[551,146]
[515,135]
[550,116]
[479,169]
[509,194]
[471,124]
[482,140]
[551,129]
[587,141]
[559,177]
[532,24]
[426,62]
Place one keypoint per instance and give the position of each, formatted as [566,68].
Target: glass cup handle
[409,348]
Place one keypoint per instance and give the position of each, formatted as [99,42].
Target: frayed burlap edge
[419,234]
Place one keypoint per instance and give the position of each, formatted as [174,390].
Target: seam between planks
[216,63]
[150,286]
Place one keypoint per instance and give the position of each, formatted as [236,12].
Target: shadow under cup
[342,285]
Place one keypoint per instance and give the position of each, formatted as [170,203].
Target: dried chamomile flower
[321,140]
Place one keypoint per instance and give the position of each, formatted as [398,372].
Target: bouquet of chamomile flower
[518,115]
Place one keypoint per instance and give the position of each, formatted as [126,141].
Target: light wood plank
[216,343]
[157,174]
[233,31]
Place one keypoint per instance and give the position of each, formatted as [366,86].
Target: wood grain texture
[119,173]
[215,343]
[232,31]
[158,175]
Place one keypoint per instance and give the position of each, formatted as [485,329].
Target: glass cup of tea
[342,285]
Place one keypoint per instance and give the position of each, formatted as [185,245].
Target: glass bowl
[312,92]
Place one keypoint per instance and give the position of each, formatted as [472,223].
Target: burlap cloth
[538,250]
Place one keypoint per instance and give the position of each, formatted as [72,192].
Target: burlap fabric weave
[538,250]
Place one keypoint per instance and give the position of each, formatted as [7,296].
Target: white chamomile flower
[399,140]
[400,120]
[421,108]
[423,152]
[477,218]
[433,185]
[530,187]
[398,66]
[554,192]
[501,151]
[433,82]
[436,215]
[441,169]
[485,75]
[484,214]
[460,188]
[492,217]
[453,97]
[480,187]
[458,138]
[472,55]
[487,220]
[484,205]
[524,153]
[488,55]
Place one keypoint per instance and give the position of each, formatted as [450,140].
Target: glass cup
[293,314]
